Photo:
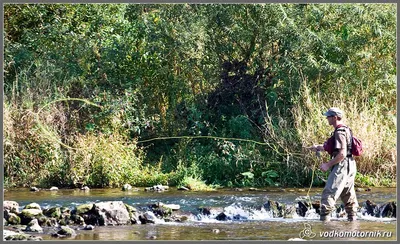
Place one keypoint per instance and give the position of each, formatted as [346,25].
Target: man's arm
[341,144]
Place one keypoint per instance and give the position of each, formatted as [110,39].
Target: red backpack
[356,144]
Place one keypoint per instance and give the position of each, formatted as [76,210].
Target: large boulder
[112,213]
[27,215]
[11,206]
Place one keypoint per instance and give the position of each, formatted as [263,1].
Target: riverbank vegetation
[85,84]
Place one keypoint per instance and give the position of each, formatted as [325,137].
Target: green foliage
[270,177]
[263,72]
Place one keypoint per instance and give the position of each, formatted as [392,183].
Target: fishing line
[272,146]
[318,153]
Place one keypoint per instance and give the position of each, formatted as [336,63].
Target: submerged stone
[67,231]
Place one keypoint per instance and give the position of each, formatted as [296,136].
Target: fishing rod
[272,146]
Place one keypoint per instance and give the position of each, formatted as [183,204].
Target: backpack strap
[349,145]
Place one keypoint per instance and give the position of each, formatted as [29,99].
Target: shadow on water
[256,225]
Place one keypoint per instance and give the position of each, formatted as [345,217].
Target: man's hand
[315,148]
[325,166]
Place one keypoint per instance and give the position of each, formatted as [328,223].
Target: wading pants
[340,184]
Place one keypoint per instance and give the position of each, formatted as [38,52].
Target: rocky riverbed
[63,222]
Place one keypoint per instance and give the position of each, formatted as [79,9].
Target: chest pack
[354,148]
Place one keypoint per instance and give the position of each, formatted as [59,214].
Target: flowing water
[250,222]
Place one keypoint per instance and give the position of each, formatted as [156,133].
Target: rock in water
[34,226]
[112,213]
[302,208]
[12,218]
[88,227]
[54,212]
[33,206]
[148,218]
[388,210]
[12,206]
[126,187]
[28,214]
[34,189]
[275,208]
[289,211]
[182,188]
[372,208]
[66,231]
[222,217]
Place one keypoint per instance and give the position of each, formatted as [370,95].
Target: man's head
[334,112]
[334,115]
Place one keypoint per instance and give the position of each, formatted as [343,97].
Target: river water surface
[253,222]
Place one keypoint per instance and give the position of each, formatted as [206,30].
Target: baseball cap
[334,112]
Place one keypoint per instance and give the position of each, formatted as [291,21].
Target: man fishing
[340,182]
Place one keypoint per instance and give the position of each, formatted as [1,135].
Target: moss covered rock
[27,215]
[133,214]
[54,212]
[84,208]
[66,231]
[33,206]
[13,219]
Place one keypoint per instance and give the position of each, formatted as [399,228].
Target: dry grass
[377,131]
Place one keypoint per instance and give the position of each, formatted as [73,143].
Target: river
[253,224]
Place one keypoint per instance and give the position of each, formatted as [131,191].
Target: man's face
[331,119]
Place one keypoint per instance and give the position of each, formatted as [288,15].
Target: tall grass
[377,130]
[51,148]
